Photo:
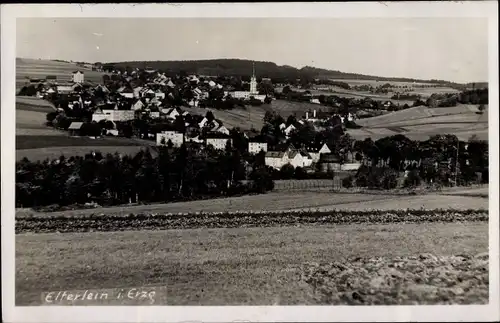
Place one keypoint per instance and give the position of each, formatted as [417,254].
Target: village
[147,104]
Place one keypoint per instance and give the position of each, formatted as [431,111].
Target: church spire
[253,69]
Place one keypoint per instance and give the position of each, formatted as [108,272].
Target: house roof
[78,72]
[75,126]
[275,154]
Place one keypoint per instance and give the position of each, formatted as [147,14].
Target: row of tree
[174,174]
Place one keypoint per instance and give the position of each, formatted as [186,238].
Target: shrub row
[125,222]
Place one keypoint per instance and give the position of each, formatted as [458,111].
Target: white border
[9,13]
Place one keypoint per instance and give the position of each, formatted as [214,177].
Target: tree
[300,173]
[51,116]
[287,171]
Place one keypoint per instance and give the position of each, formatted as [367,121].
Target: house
[282,126]
[257,147]
[218,142]
[276,159]
[289,129]
[203,122]
[64,89]
[316,153]
[222,130]
[159,94]
[138,105]
[154,114]
[329,162]
[170,84]
[172,113]
[127,93]
[177,138]
[75,128]
[297,158]
[77,77]
[113,115]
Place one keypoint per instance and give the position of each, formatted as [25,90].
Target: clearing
[241,266]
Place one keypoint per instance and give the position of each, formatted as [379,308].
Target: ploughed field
[278,265]
[419,123]
[241,257]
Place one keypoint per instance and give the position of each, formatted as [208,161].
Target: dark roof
[74,72]
[275,154]
[329,158]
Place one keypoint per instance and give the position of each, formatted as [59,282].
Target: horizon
[391,47]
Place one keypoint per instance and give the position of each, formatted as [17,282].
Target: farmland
[238,266]
[279,201]
[419,123]
[26,68]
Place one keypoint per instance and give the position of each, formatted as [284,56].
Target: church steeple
[253,81]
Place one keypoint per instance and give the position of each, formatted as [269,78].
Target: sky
[454,49]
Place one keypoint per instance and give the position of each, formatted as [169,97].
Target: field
[250,117]
[26,68]
[279,201]
[419,123]
[36,141]
[240,266]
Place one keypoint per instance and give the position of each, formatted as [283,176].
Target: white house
[223,130]
[113,115]
[256,147]
[289,129]
[276,159]
[64,89]
[203,122]
[218,143]
[160,95]
[77,77]
[172,113]
[282,126]
[138,105]
[316,154]
[175,137]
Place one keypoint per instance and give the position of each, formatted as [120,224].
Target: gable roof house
[75,128]
[289,129]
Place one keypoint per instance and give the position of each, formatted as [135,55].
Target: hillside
[419,123]
[243,68]
[33,68]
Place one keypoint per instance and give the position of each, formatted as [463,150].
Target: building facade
[218,143]
[175,137]
[113,115]
[77,77]
[257,147]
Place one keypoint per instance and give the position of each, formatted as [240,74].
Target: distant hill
[243,68]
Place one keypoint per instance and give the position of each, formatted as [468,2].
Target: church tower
[253,82]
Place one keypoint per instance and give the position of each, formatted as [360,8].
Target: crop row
[125,222]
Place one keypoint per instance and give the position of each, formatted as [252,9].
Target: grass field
[33,68]
[419,123]
[241,266]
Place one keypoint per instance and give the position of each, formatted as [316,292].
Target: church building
[253,90]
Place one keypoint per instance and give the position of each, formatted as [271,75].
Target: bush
[300,173]
[413,179]
[347,182]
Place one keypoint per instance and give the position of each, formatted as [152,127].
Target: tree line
[186,173]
